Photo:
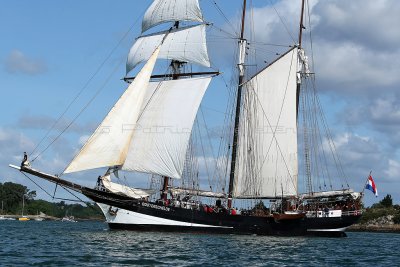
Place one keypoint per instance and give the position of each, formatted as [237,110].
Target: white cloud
[379,116]
[355,43]
[361,154]
[40,122]
[347,68]
[393,170]
[385,110]
[12,145]
[370,24]
[18,62]
[357,149]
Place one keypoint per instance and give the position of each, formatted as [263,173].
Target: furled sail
[186,44]
[125,190]
[267,163]
[161,11]
[162,133]
[108,145]
[176,191]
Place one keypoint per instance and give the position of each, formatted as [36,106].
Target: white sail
[161,11]
[162,133]
[184,44]
[267,154]
[125,190]
[108,145]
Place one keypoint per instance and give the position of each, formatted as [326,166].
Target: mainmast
[301,22]
[300,39]
[242,55]
[306,144]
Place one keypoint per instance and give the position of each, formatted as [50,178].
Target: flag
[371,186]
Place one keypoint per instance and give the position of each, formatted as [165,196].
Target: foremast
[154,139]
[175,66]
[241,66]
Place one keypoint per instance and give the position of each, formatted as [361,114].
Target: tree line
[12,195]
[384,207]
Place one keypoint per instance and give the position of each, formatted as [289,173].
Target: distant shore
[383,228]
[48,218]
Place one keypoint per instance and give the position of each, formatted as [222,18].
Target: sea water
[51,243]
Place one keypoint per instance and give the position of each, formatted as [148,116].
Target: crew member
[25,161]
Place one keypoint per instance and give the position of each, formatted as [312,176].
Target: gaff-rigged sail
[161,135]
[161,11]
[184,44]
[267,156]
[108,145]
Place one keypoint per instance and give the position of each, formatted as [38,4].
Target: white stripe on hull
[327,230]
[130,217]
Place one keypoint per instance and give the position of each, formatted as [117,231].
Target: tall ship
[275,138]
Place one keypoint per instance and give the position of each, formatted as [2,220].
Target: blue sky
[50,49]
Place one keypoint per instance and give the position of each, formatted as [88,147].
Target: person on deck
[326,211]
[177,202]
[25,161]
[98,184]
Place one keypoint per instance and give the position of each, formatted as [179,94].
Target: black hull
[202,230]
[267,228]
[196,220]
[223,223]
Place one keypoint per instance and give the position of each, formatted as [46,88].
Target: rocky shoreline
[383,224]
[383,228]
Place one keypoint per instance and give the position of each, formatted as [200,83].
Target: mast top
[301,22]
[243,18]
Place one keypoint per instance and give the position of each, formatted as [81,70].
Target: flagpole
[362,193]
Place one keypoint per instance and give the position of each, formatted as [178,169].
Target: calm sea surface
[92,244]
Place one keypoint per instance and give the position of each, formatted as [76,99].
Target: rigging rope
[58,198]
[283,22]
[311,39]
[80,112]
[86,85]
[226,19]
[316,117]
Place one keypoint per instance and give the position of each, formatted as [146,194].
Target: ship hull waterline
[125,213]
[152,217]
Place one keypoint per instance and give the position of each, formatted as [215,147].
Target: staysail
[267,163]
[186,44]
[162,133]
[161,11]
[108,145]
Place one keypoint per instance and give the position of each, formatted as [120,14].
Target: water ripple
[92,244]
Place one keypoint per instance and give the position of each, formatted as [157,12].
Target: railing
[333,213]
[352,213]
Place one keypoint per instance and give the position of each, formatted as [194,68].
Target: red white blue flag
[371,186]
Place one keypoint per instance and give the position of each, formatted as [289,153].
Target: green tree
[396,219]
[11,195]
[387,201]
